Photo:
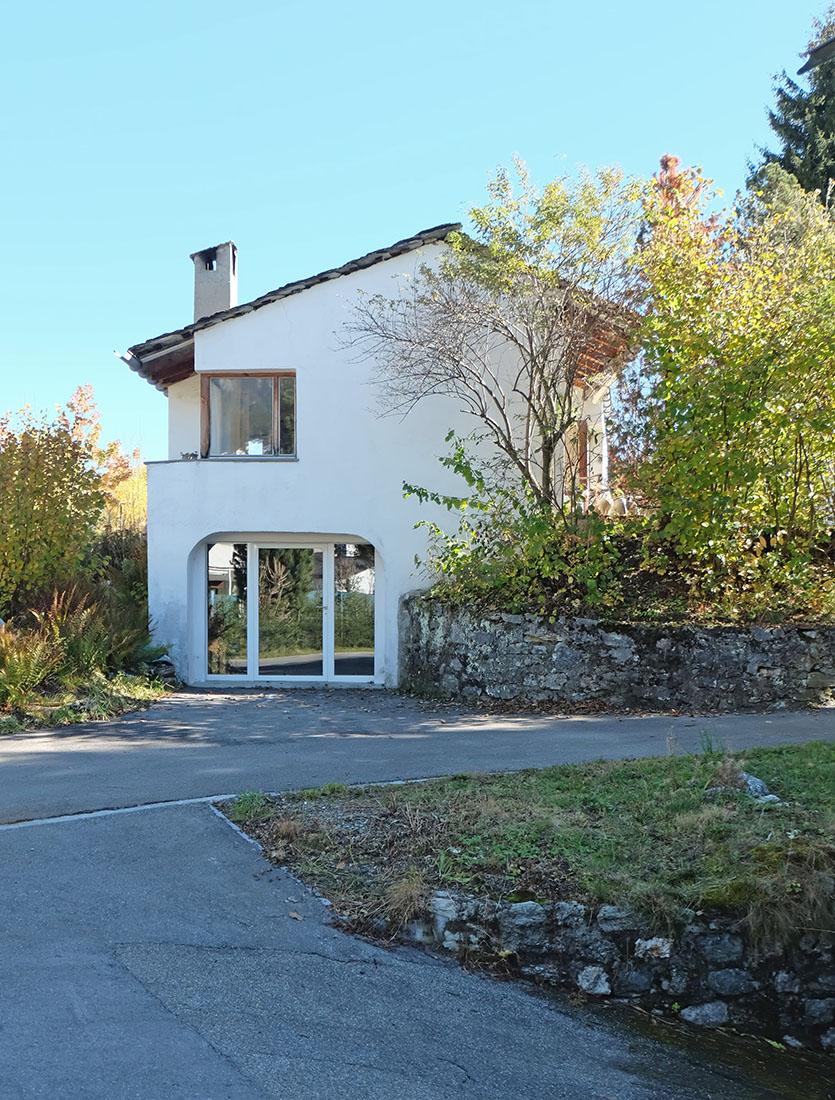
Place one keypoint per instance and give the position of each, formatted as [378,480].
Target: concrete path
[194,745]
[150,954]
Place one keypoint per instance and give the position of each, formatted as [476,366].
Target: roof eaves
[168,341]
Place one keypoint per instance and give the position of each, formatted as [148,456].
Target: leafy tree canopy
[738,344]
[56,479]
[803,119]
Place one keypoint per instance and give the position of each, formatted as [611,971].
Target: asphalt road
[151,953]
[196,745]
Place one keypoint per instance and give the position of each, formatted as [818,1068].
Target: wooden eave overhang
[169,358]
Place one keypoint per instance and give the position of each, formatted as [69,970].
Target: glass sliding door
[290,611]
[353,609]
[226,568]
[300,613]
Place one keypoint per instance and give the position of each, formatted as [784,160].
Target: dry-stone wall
[456,653]
[708,974]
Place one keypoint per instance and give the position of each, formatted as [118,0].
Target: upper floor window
[248,414]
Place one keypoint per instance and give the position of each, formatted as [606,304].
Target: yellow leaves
[46,522]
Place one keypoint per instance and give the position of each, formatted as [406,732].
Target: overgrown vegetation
[638,832]
[73,588]
[738,403]
[85,653]
[721,502]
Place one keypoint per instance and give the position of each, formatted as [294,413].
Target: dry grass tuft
[405,897]
[287,828]
[729,774]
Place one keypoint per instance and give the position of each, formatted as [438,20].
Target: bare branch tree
[519,323]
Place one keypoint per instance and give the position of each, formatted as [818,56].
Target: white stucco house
[279,540]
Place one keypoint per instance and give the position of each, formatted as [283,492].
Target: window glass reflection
[353,609]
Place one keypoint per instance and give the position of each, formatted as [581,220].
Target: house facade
[280,542]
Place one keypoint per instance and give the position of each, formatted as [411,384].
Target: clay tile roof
[169,358]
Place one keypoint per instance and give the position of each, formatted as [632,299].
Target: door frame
[286,542]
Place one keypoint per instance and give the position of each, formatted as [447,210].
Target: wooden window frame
[205,417]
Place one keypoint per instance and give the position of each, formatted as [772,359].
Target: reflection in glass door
[353,609]
[227,619]
[302,613]
[290,587]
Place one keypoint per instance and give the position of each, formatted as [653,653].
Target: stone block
[616,918]
[587,944]
[710,1014]
[784,982]
[677,982]
[565,656]
[632,979]
[522,926]
[443,907]
[568,914]
[420,931]
[818,1012]
[820,680]
[732,982]
[658,947]
[595,981]
[502,691]
[449,684]
[721,948]
[825,982]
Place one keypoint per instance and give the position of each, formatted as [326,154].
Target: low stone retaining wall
[707,975]
[456,653]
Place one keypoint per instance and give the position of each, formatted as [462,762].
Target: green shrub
[99,630]
[27,661]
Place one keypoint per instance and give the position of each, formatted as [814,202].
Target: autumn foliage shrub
[73,589]
[724,433]
[56,481]
[735,393]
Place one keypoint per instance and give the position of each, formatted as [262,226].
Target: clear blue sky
[312,133]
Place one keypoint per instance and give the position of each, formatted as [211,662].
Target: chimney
[215,279]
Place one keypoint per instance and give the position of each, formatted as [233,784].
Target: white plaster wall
[190,502]
[346,481]
[184,417]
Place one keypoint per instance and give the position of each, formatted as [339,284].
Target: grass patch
[248,807]
[100,697]
[635,832]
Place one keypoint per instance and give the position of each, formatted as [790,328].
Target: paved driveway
[150,953]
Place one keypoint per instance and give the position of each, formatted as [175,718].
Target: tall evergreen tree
[804,120]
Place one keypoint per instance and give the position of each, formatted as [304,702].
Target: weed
[27,660]
[248,806]
[333,788]
[711,746]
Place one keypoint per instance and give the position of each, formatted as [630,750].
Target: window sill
[220,458]
[245,458]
